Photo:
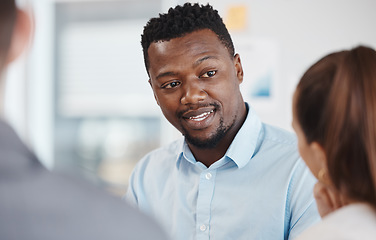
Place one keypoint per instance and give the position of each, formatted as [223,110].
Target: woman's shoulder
[354,221]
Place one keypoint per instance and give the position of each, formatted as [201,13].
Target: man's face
[196,84]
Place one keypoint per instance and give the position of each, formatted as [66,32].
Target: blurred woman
[334,117]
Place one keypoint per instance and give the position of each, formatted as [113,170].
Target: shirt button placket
[206,190]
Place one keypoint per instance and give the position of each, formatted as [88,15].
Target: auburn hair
[336,107]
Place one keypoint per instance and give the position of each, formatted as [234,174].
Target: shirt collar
[185,152]
[245,142]
[242,147]
[182,151]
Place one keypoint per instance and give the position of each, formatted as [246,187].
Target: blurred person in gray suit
[36,203]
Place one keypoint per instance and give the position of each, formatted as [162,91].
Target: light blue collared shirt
[260,189]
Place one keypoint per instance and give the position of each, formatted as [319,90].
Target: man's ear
[21,35]
[155,97]
[238,68]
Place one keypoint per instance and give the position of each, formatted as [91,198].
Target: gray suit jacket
[38,204]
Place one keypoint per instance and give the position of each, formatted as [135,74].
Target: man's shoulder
[278,145]
[278,135]
[164,156]
[60,199]
[172,149]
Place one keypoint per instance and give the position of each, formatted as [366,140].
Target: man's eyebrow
[195,64]
[165,74]
[203,59]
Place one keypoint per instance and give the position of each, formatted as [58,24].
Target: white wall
[308,30]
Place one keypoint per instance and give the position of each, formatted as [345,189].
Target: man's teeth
[201,117]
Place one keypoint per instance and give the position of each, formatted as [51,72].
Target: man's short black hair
[182,20]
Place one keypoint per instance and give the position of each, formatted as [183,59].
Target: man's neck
[208,156]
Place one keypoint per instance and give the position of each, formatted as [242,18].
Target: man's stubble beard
[213,140]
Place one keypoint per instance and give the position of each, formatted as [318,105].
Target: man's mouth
[201,116]
[199,119]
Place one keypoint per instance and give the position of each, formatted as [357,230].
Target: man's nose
[193,93]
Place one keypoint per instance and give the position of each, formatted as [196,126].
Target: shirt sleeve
[136,193]
[131,194]
[302,210]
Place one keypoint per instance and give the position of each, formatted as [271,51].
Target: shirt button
[203,227]
[208,176]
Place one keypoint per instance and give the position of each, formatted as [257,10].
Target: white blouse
[354,221]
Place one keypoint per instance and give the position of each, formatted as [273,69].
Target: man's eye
[171,85]
[209,74]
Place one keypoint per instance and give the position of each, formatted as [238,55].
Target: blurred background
[80,96]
